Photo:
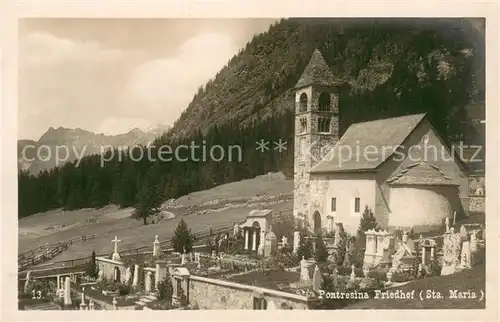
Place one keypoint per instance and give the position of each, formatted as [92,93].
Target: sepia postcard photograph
[245,163]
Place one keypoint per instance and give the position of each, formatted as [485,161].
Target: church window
[324,102]
[334,204]
[324,125]
[303,103]
[303,125]
[357,205]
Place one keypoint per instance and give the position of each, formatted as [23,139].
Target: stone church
[398,167]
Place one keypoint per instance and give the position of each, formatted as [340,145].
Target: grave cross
[116,241]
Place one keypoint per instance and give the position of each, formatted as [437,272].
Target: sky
[111,75]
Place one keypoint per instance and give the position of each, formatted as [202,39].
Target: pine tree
[150,199]
[341,250]
[305,248]
[367,222]
[92,269]
[183,238]
[321,253]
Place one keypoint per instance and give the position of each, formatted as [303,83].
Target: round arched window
[324,102]
[303,102]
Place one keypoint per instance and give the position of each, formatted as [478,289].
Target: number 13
[37,295]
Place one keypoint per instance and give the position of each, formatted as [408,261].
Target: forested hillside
[387,69]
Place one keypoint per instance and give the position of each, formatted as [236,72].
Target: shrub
[321,253]
[123,289]
[165,289]
[403,276]
[236,244]
[341,247]
[380,275]
[327,284]
[305,247]
[286,257]
[434,268]
[370,284]
[346,271]
[478,257]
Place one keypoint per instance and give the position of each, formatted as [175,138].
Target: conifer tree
[305,248]
[367,222]
[150,200]
[321,253]
[92,269]
[183,238]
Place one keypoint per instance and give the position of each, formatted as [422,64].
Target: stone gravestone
[447,223]
[335,278]
[83,306]
[100,276]
[135,279]
[284,241]
[296,241]
[463,232]
[91,305]
[473,242]
[148,283]
[67,291]
[353,275]
[465,260]
[156,247]
[270,244]
[304,270]
[128,275]
[27,284]
[115,302]
[317,279]
[449,254]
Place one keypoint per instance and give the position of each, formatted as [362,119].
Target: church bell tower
[316,126]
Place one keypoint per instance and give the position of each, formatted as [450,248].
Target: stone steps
[146,299]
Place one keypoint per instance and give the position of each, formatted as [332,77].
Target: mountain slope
[70,144]
[386,67]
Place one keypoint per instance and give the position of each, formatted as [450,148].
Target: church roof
[316,72]
[421,173]
[371,140]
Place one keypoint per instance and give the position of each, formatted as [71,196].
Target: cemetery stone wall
[215,294]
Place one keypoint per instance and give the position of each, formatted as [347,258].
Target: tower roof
[316,72]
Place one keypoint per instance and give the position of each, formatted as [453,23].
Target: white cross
[116,241]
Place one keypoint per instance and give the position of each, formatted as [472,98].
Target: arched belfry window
[324,125]
[324,102]
[303,125]
[303,102]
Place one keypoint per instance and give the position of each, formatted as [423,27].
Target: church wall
[441,158]
[421,208]
[213,294]
[345,187]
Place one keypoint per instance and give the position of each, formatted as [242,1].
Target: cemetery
[253,268]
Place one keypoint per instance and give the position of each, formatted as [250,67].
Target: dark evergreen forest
[387,70]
